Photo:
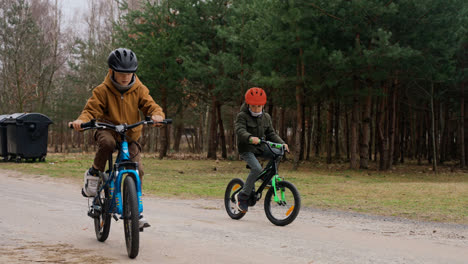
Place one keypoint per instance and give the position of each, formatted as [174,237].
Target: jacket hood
[245,108]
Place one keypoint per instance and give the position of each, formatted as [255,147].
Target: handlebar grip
[89,124]
[167,121]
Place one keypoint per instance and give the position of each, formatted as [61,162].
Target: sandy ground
[43,220]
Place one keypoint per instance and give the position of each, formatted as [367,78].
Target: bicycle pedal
[115,217]
[141,229]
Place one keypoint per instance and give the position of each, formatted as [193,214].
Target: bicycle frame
[270,174]
[117,173]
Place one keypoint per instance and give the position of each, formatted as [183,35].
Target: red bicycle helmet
[255,96]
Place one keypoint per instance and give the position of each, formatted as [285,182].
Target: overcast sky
[73,13]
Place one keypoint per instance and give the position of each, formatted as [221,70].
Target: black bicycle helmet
[123,60]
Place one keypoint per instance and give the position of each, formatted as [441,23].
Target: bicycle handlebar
[272,145]
[120,128]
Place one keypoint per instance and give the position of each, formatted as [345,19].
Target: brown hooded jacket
[107,104]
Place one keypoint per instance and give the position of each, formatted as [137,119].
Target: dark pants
[106,142]
[255,169]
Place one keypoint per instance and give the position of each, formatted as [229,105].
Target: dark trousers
[255,169]
[106,142]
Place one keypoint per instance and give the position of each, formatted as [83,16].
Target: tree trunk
[444,145]
[330,132]
[403,137]
[383,130]
[198,140]
[337,130]
[376,128]
[202,131]
[270,107]
[434,149]
[354,126]
[318,134]
[299,107]
[310,130]
[221,132]
[372,128]
[189,142]
[302,135]
[282,128]
[347,134]
[365,131]
[397,132]
[463,144]
[164,129]
[392,124]
[178,131]
[213,135]
[419,137]
[233,131]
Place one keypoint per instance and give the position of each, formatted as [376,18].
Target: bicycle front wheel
[130,216]
[102,223]
[233,188]
[286,209]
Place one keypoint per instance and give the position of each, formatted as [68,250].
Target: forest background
[355,81]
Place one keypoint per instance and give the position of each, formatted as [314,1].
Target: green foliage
[231,46]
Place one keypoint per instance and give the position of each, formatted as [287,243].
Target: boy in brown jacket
[118,100]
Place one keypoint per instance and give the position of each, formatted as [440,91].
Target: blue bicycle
[108,202]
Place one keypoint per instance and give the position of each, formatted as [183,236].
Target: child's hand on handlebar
[286,147]
[254,140]
[157,119]
[76,124]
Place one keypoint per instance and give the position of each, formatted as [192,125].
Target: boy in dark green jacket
[251,125]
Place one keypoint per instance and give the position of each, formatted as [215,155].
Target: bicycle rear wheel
[284,211]
[130,216]
[233,187]
[102,223]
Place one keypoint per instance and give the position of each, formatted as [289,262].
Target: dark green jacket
[247,126]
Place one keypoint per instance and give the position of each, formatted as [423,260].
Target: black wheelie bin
[27,135]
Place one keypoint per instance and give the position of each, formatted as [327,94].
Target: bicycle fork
[280,200]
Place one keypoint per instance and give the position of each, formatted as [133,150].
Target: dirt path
[44,220]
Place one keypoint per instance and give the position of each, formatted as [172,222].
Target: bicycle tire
[103,222]
[290,209]
[233,187]
[130,216]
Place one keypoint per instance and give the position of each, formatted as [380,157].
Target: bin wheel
[42,159]
[18,160]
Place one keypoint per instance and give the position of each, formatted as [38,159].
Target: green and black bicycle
[282,200]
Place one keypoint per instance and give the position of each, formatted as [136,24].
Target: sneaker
[241,204]
[91,182]
[143,223]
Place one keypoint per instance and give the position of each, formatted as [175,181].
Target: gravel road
[43,220]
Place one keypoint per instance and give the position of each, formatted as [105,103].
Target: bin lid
[3,118]
[28,117]
[11,119]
